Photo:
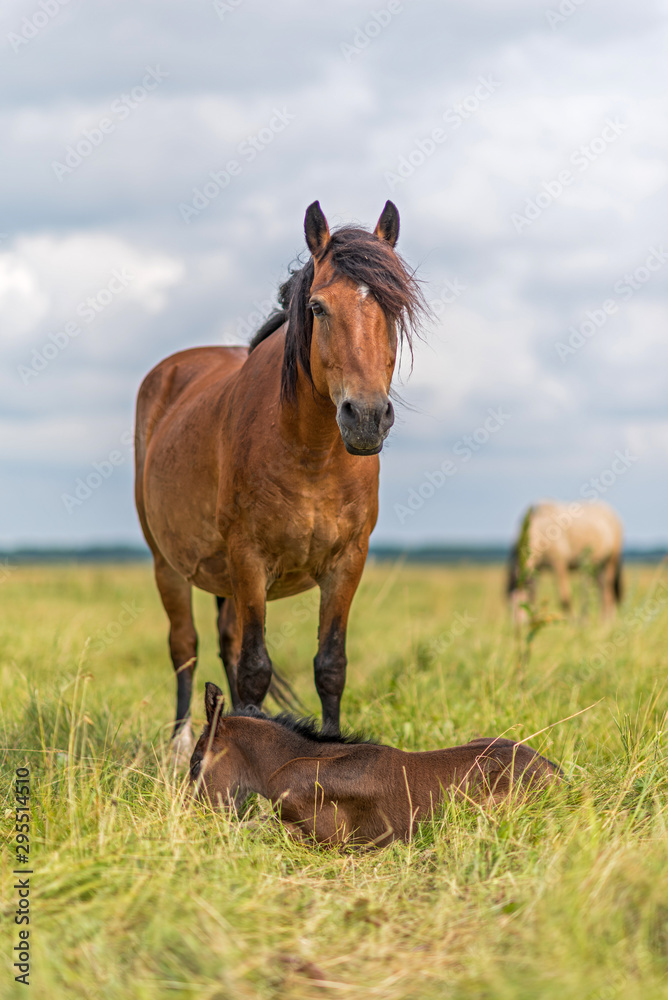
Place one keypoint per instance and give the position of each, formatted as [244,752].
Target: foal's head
[346,310]
[219,771]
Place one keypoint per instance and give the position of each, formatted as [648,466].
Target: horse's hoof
[182,745]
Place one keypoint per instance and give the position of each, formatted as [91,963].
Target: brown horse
[338,789]
[566,536]
[257,469]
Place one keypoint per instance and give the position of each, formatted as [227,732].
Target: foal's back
[375,794]
[486,767]
[494,765]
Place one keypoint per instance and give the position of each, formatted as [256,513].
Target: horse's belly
[289,585]
[186,532]
[213,575]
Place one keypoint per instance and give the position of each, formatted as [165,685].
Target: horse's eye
[317,309]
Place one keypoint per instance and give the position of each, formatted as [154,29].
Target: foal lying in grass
[338,788]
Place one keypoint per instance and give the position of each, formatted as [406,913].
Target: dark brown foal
[338,789]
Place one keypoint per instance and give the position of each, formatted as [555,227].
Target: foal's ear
[388,224]
[213,703]
[316,229]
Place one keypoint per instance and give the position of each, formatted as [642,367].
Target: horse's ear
[213,703]
[388,224]
[316,229]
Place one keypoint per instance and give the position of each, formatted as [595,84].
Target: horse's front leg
[249,582]
[337,589]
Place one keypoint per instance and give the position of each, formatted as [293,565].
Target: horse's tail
[283,693]
[280,689]
[617,584]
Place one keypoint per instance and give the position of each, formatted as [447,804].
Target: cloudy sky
[158,156]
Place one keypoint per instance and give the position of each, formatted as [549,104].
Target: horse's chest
[312,531]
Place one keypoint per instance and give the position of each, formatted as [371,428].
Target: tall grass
[138,894]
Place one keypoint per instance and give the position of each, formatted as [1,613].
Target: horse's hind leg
[229,642]
[606,583]
[563,586]
[249,580]
[176,594]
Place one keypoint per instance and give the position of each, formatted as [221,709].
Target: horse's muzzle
[363,425]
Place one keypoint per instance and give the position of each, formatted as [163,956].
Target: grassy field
[134,895]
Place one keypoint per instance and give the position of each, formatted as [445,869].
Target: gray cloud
[357,119]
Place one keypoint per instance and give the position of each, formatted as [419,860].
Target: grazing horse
[566,536]
[336,788]
[257,468]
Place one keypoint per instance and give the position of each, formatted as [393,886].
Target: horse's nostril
[349,415]
[388,416]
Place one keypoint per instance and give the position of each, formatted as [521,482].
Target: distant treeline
[483,554]
[436,554]
[92,554]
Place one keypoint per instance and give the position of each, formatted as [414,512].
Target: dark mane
[270,325]
[279,316]
[307,727]
[367,260]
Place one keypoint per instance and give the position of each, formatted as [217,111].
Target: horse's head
[525,556]
[359,297]
[218,771]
